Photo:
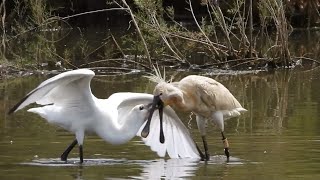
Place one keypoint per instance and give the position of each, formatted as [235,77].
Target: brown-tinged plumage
[205,97]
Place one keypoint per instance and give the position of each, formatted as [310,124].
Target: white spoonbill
[68,102]
[205,97]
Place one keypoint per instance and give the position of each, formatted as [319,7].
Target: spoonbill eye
[141,107]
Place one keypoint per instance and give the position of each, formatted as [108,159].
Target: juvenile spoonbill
[205,97]
[67,101]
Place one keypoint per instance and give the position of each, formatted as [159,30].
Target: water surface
[278,138]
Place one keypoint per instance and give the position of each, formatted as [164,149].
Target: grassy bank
[239,35]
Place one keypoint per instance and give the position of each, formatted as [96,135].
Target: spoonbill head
[66,101]
[205,97]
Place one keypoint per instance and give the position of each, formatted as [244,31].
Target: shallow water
[278,138]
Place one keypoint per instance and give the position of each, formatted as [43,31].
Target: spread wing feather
[62,88]
[178,141]
[73,88]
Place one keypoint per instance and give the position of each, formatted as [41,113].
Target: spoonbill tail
[205,97]
[67,101]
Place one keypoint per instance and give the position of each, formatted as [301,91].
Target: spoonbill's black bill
[67,102]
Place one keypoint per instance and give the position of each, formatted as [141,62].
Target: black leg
[81,154]
[205,145]
[202,156]
[226,145]
[65,154]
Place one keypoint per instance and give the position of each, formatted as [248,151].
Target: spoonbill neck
[109,128]
[182,101]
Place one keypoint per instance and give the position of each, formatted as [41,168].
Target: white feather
[176,136]
[69,103]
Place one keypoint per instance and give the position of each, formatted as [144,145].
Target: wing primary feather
[15,107]
[47,86]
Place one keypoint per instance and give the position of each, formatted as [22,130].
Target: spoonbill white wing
[62,88]
[178,142]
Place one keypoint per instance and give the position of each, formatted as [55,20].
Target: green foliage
[28,15]
[222,36]
[149,6]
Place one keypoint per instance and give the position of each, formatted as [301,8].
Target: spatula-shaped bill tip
[145,131]
[161,121]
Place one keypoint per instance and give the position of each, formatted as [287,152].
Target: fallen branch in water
[308,59]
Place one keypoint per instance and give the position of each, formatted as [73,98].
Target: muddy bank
[8,72]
